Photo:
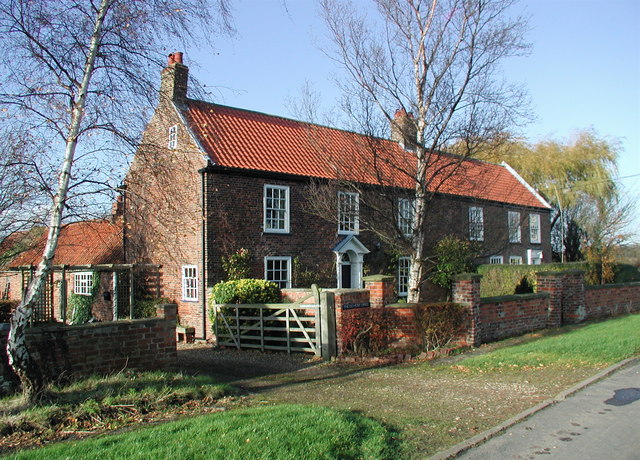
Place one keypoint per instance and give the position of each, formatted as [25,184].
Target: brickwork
[612,300]
[100,348]
[381,289]
[466,291]
[344,299]
[573,300]
[551,284]
[170,188]
[163,210]
[509,316]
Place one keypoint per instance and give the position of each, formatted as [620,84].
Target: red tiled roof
[80,243]
[237,138]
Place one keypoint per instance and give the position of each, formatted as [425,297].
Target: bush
[440,323]
[6,308]
[365,331]
[454,256]
[245,291]
[146,307]
[237,266]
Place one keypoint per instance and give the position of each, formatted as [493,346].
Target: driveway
[602,421]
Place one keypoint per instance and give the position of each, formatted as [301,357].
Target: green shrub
[453,256]
[440,323]
[245,291]
[237,266]
[6,308]
[146,307]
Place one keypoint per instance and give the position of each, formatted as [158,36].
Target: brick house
[83,247]
[208,180]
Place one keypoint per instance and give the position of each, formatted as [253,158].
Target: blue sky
[583,72]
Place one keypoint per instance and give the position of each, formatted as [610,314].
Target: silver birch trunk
[20,360]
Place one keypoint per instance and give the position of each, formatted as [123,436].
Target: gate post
[328,325]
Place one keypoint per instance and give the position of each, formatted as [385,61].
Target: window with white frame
[476,224]
[83,283]
[534,256]
[348,213]
[515,260]
[190,283]
[534,228]
[278,270]
[276,209]
[173,137]
[404,268]
[405,216]
[495,260]
[514,227]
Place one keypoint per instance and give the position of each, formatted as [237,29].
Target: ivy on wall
[81,304]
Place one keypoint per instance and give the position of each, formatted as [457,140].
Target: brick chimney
[174,79]
[403,128]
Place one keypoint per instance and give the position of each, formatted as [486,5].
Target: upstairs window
[534,228]
[348,213]
[514,227]
[278,270]
[83,283]
[405,216]
[476,224]
[276,209]
[404,268]
[173,138]
[190,283]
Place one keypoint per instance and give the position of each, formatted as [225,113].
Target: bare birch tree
[77,72]
[437,60]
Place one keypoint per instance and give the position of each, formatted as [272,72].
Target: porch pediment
[350,243]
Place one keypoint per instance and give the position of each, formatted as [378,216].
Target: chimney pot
[175,58]
[403,128]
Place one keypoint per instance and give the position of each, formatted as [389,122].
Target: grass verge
[104,403]
[267,432]
[596,344]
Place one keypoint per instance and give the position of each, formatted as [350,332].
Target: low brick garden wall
[509,316]
[99,348]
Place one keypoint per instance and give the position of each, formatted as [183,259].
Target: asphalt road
[602,421]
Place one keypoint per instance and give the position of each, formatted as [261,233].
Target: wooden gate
[284,327]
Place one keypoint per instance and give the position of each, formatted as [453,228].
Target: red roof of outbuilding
[80,243]
[243,139]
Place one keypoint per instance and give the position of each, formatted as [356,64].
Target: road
[602,421]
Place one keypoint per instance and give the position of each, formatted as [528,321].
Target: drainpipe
[203,238]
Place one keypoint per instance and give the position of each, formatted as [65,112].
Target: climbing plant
[81,304]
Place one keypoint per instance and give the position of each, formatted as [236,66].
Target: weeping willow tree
[576,176]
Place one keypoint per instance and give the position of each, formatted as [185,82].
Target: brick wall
[611,300]
[100,348]
[509,316]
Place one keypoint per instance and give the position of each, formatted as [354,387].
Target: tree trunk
[20,360]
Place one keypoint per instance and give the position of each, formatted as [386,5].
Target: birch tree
[437,60]
[80,74]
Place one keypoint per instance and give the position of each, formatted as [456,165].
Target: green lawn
[596,344]
[330,411]
[267,432]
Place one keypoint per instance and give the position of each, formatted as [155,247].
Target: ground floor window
[534,256]
[404,268]
[83,283]
[190,283]
[278,270]
[495,260]
[515,260]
